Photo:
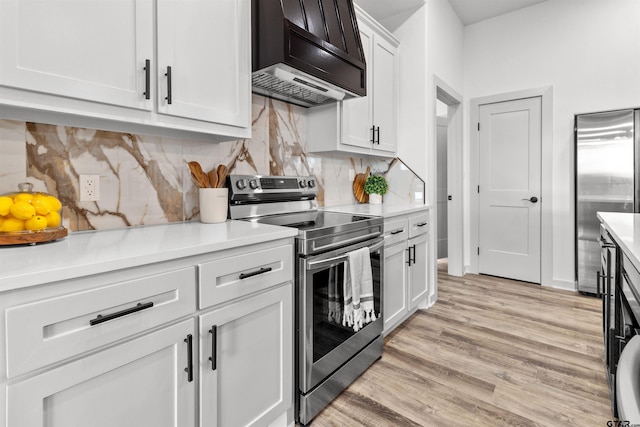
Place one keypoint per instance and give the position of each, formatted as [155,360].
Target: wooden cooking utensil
[213,178]
[358,186]
[199,177]
[222,176]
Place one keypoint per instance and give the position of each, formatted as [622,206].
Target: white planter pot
[375,199]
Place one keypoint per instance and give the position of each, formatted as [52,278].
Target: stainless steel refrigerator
[607,180]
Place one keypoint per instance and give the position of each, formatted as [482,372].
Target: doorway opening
[449,203]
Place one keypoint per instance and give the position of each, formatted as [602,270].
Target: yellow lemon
[23,197]
[22,210]
[38,222]
[54,203]
[5,205]
[12,224]
[53,219]
[41,203]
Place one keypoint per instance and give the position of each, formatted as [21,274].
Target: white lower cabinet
[140,383]
[417,270]
[132,348]
[406,261]
[395,298]
[246,350]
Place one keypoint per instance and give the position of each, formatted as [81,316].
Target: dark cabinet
[619,287]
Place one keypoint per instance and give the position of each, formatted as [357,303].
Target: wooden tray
[26,238]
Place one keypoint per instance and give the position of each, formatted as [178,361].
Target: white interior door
[509,189]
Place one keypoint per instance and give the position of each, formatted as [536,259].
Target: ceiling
[392,13]
[472,11]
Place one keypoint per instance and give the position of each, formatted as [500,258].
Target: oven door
[324,344]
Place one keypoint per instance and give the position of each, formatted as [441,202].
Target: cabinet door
[207,45]
[418,286]
[395,285]
[140,383]
[384,90]
[246,367]
[357,113]
[90,50]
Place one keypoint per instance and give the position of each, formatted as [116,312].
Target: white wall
[412,96]
[431,43]
[588,50]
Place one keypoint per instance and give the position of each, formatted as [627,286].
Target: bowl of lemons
[28,217]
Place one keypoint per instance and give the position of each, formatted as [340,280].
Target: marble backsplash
[145,180]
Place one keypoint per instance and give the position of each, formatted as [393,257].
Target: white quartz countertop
[81,254]
[625,230]
[384,210]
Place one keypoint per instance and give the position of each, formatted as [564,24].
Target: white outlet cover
[89,188]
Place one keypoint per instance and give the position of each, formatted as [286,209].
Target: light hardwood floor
[490,352]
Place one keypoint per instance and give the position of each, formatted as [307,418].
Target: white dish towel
[358,291]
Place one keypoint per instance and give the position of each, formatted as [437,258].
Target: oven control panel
[260,184]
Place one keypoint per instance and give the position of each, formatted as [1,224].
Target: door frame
[546,219]
[455,217]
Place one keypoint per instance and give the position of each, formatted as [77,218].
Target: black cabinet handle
[378,138]
[412,259]
[422,224]
[147,79]
[409,256]
[397,231]
[189,368]
[255,273]
[106,317]
[168,74]
[214,347]
[373,134]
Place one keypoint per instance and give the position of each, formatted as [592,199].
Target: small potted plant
[376,186]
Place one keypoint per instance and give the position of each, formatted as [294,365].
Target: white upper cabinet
[108,60]
[204,44]
[366,125]
[91,50]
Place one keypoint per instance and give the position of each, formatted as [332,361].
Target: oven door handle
[336,260]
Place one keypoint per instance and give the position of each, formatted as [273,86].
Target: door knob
[533,199]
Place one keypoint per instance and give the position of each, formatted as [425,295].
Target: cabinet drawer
[50,330]
[418,224]
[395,230]
[228,278]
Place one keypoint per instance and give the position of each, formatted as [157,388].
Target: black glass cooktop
[313,219]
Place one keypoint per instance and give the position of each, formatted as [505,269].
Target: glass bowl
[28,217]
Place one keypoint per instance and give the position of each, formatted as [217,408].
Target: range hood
[307,52]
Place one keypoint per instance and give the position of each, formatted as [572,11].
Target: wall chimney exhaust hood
[307,52]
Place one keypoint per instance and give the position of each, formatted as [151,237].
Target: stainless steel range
[330,354]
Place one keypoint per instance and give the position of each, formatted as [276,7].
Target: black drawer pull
[105,318]
[422,224]
[189,368]
[397,231]
[214,347]
[147,79]
[255,273]
[169,98]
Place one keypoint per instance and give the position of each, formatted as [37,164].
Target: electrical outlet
[89,188]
